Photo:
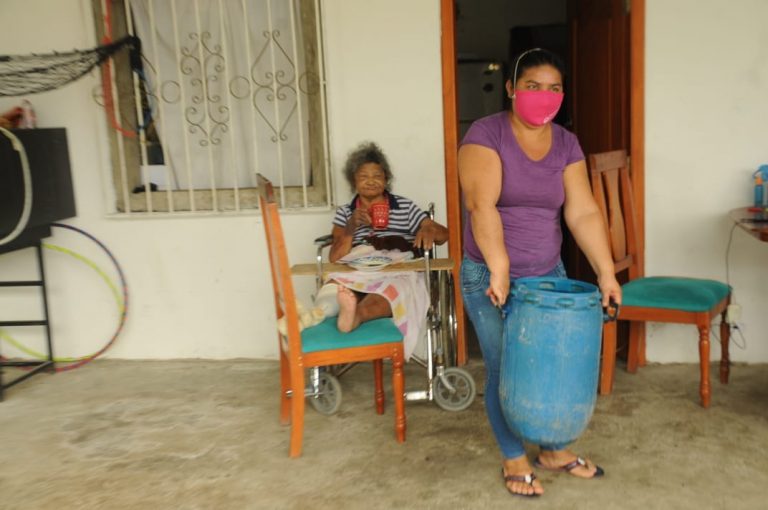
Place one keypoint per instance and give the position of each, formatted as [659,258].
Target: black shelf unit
[53,199]
[35,366]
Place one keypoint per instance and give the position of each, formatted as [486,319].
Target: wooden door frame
[451,144]
[451,141]
[637,120]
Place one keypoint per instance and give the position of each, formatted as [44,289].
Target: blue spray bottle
[761,176]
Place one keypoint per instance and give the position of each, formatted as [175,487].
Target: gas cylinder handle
[607,315]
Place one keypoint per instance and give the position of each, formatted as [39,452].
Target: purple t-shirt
[532,194]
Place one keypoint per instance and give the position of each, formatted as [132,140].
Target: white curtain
[227,89]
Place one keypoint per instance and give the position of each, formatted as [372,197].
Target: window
[220,90]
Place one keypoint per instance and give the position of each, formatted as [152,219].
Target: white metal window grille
[223,89]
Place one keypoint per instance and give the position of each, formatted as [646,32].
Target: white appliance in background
[480,86]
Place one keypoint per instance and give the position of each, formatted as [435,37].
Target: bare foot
[519,466]
[347,320]
[567,461]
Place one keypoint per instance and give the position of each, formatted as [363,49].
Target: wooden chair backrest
[612,189]
[285,298]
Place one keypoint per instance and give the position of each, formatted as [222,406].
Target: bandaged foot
[326,299]
[307,318]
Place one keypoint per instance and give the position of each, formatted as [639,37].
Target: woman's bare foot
[567,461]
[347,320]
[519,466]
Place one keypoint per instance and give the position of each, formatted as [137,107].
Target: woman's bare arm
[480,177]
[342,243]
[430,232]
[343,236]
[586,223]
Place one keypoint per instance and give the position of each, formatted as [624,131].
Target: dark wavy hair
[366,152]
[533,58]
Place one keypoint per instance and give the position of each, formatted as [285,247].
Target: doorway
[489,35]
[601,42]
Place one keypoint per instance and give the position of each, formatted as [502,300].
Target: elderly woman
[370,177]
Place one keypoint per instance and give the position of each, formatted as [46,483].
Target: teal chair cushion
[687,294]
[325,336]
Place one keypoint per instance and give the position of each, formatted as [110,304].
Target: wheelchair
[452,388]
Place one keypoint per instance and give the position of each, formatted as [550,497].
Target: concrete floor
[205,435]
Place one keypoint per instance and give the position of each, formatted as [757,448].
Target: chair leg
[704,387]
[609,358]
[297,413]
[379,385]
[633,355]
[285,385]
[641,359]
[725,340]
[398,388]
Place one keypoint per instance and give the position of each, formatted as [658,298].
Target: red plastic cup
[379,215]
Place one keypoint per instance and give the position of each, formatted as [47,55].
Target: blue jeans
[489,326]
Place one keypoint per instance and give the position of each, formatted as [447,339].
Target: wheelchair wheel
[463,393]
[328,399]
[449,325]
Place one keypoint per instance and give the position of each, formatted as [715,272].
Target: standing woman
[517,170]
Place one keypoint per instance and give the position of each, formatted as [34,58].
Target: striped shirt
[405,218]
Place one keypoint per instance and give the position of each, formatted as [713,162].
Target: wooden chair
[323,344]
[654,299]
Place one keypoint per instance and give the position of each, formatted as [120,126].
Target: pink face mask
[537,107]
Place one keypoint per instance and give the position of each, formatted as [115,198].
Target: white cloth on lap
[407,294]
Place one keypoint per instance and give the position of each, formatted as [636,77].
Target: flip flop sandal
[529,478]
[567,468]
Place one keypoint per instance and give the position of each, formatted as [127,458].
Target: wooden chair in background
[652,299]
[323,344]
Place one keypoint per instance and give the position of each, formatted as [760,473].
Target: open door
[599,91]
[606,101]
[607,61]
[600,73]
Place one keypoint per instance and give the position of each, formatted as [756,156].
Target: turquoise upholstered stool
[325,336]
[687,294]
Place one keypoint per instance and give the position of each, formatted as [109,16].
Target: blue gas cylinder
[550,359]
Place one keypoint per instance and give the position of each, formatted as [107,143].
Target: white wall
[200,286]
[383,62]
[706,132]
